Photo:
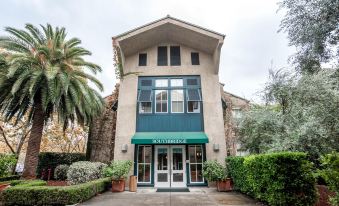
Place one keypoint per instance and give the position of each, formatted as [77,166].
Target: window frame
[140,102]
[155,101]
[202,162]
[140,59]
[183,101]
[198,58]
[150,163]
[166,54]
[172,57]
[197,112]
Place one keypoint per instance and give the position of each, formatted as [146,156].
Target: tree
[313,28]
[307,121]
[44,73]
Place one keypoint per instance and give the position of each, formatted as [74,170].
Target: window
[161,101]
[193,101]
[192,82]
[177,82]
[146,82]
[175,55]
[195,154]
[161,83]
[236,113]
[177,98]
[145,101]
[142,59]
[193,107]
[195,58]
[144,163]
[162,56]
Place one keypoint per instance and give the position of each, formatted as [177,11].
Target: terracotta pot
[118,185]
[225,185]
[4,186]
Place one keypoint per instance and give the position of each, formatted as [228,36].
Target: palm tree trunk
[34,141]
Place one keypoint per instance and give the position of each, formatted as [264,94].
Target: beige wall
[213,115]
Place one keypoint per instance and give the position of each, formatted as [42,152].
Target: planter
[118,185]
[225,185]
[4,186]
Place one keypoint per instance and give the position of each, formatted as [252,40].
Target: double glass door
[170,166]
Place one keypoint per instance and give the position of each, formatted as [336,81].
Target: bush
[84,171]
[8,178]
[118,170]
[60,172]
[47,195]
[278,179]
[330,173]
[52,160]
[214,171]
[7,164]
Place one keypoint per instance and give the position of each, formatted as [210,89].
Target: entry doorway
[170,166]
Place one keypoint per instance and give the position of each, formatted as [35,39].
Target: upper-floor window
[175,55]
[162,56]
[169,95]
[195,58]
[236,113]
[142,59]
[161,97]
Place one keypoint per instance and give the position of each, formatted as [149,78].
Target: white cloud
[251,42]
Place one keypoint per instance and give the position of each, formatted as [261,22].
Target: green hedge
[8,178]
[52,160]
[7,164]
[278,178]
[53,195]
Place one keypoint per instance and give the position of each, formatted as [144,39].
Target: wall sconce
[124,148]
[216,147]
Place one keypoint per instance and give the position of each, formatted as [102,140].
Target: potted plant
[213,171]
[118,171]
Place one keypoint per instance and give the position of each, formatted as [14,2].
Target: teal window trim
[169,88]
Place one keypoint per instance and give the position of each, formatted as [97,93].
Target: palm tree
[45,73]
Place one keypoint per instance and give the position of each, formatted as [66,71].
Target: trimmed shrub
[330,173]
[8,178]
[60,172]
[84,171]
[7,163]
[52,160]
[278,179]
[48,195]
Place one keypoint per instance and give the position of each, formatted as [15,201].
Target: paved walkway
[196,196]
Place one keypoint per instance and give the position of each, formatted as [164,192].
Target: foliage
[84,171]
[27,183]
[118,170]
[330,173]
[7,162]
[66,195]
[312,27]
[60,172]
[9,178]
[119,69]
[52,160]
[214,171]
[277,178]
[306,122]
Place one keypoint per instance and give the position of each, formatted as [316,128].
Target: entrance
[170,166]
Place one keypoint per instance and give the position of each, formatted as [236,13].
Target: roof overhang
[170,30]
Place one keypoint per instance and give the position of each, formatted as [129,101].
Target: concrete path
[196,196]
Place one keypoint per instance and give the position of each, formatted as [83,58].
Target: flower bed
[278,178]
[31,194]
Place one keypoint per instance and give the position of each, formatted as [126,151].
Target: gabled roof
[169,30]
[162,19]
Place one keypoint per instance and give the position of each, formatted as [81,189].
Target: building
[234,107]
[170,116]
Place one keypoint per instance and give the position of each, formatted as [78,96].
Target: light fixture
[216,147]
[124,147]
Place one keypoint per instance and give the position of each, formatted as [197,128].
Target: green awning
[169,138]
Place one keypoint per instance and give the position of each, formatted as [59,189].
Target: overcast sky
[251,46]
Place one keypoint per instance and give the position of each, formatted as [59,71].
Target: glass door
[178,176]
[170,166]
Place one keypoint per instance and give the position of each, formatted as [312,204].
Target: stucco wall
[212,109]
